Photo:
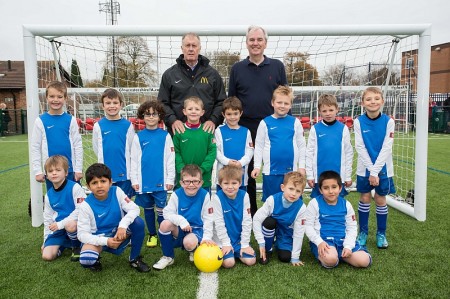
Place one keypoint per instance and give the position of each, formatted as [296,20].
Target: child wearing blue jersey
[111,139]
[279,144]
[232,218]
[234,142]
[187,217]
[152,166]
[329,146]
[61,211]
[56,132]
[108,221]
[374,138]
[281,219]
[331,226]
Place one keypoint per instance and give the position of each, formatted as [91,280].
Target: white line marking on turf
[208,286]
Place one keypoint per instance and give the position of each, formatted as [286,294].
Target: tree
[339,74]
[133,63]
[222,61]
[377,75]
[75,76]
[299,72]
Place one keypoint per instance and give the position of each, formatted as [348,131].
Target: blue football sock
[382,213]
[88,258]
[149,215]
[137,229]
[166,243]
[363,215]
[74,240]
[160,218]
[269,236]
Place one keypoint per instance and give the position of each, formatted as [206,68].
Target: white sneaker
[191,256]
[163,263]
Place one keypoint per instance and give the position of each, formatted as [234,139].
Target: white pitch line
[208,285]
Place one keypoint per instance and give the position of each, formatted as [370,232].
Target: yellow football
[208,258]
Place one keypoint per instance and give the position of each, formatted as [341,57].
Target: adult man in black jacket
[191,76]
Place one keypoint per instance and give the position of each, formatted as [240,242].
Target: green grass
[415,265]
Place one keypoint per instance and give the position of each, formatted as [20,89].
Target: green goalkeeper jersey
[195,146]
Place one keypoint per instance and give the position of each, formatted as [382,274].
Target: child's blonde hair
[195,100]
[283,90]
[59,86]
[54,161]
[230,173]
[327,99]
[296,178]
[373,89]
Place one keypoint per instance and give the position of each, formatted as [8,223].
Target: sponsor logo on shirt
[204,80]
[271,128]
[49,127]
[226,211]
[56,205]
[184,140]
[145,143]
[178,81]
[325,215]
[107,132]
[184,209]
[228,139]
[321,135]
[101,215]
[366,131]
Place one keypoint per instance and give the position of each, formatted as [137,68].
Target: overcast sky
[231,12]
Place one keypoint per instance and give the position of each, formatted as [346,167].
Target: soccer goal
[342,60]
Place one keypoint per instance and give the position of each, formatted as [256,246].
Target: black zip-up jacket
[179,82]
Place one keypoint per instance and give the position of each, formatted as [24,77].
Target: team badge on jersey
[80,200]
[210,210]
[391,135]
[213,140]
[353,218]
[172,149]
[303,221]
[250,144]
[127,199]
[248,211]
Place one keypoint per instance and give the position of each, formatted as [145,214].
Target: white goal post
[418,123]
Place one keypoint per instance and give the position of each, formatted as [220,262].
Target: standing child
[279,143]
[374,138]
[187,217]
[111,139]
[152,166]
[331,226]
[329,146]
[61,210]
[234,142]
[232,218]
[56,133]
[194,145]
[282,218]
[108,221]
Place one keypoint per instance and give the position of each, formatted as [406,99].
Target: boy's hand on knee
[323,249]
[121,234]
[226,250]
[113,243]
[187,229]
[346,252]
[53,227]
[247,250]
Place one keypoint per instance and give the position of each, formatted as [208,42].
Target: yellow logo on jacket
[204,80]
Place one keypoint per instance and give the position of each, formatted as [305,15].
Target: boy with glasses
[152,166]
[188,217]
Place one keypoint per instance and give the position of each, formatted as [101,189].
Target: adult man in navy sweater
[253,81]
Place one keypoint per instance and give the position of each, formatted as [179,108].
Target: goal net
[342,60]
